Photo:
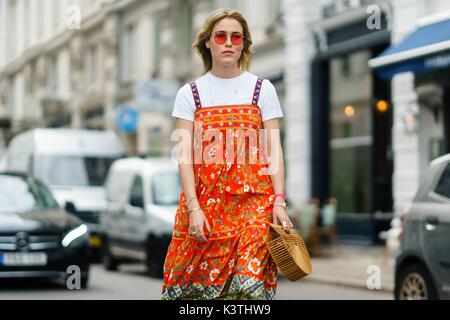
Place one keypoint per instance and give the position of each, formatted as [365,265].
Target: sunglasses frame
[241,38]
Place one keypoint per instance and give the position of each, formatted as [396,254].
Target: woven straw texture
[289,252]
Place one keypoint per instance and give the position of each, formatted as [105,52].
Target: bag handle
[292,235]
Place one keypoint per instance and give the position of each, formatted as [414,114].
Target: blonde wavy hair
[205,33]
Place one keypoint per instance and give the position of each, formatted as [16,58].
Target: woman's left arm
[273,140]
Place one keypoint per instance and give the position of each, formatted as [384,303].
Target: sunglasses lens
[220,38]
[236,39]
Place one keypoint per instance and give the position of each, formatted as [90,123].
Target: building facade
[348,133]
[364,139]
[80,63]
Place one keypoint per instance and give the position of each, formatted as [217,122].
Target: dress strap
[198,103]
[257,91]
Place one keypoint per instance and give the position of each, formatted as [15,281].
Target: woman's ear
[207,45]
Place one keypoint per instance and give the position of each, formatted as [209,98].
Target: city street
[129,125]
[132,283]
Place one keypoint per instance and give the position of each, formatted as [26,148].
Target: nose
[228,42]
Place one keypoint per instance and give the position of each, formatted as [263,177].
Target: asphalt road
[132,283]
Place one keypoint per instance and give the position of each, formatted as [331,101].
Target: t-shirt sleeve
[184,107]
[269,103]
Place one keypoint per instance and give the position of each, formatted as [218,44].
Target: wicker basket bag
[289,252]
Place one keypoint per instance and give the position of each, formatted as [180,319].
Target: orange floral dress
[236,195]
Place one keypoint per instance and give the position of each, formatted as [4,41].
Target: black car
[38,239]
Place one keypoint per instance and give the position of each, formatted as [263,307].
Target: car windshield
[166,188]
[73,170]
[19,195]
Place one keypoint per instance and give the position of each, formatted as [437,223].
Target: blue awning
[425,49]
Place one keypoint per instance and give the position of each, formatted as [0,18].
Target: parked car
[38,239]
[141,201]
[423,265]
[74,164]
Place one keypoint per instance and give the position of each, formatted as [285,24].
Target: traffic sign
[127,119]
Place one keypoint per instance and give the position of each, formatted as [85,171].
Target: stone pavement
[353,265]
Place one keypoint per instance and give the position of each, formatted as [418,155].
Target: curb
[347,282]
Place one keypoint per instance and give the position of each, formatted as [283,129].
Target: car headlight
[74,234]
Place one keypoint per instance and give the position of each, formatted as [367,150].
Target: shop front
[351,125]
[425,52]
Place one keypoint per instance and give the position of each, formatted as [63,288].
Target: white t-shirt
[216,91]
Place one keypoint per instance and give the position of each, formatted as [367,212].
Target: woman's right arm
[197,219]
[185,164]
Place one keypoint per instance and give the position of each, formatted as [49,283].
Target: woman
[218,246]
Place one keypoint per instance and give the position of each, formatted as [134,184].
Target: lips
[227,52]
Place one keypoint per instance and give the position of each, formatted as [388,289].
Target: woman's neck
[224,72]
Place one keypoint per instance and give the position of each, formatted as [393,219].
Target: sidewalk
[348,265]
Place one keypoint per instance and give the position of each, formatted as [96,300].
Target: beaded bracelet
[189,211]
[193,198]
[284,205]
[281,195]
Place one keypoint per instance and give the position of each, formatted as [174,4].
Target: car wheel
[155,260]
[109,262]
[415,283]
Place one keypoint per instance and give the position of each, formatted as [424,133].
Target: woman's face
[228,53]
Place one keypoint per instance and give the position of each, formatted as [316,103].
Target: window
[11,17]
[157,41]
[350,130]
[273,14]
[92,65]
[97,169]
[73,170]
[40,21]
[18,195]
[443,186]
[166,188]
[184,30]
[54,75]
[10,94]
[27,26]
[30,93]
[45,196]
[56,14]
[128,57]
[116,186]
[137,193]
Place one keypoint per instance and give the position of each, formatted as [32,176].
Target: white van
[73,163]
[142,197]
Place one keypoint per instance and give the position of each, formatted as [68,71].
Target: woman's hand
[280,214]
[197,224]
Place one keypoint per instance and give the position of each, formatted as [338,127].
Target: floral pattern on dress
[237,200]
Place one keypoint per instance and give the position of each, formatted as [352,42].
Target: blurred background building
[367,128]
[353,130]
[113,64]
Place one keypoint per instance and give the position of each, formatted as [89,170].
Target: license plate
[23,259]
[96,241]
